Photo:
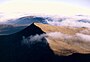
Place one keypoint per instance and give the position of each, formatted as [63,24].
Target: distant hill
[6,29]
[28,20]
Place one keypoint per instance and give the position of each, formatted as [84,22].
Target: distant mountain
[28,20]
[6,29]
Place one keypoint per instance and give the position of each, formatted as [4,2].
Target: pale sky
[16,8]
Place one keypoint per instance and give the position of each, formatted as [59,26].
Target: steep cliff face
[48,49]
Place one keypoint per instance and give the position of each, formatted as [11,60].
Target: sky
[16,8]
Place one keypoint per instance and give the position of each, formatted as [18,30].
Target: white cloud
[60,36]
[86,31]
[83,37]
[73,21]
[78,37]
[33,39]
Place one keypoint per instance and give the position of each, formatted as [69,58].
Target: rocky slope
[65,47]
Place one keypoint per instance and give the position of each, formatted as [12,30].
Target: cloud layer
[74,21]
[77,38]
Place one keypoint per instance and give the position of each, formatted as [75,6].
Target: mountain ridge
[47,50]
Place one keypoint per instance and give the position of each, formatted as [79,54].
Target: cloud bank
[74,39]
[78,36]
[74,21]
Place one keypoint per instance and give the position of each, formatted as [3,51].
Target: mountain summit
[39,42]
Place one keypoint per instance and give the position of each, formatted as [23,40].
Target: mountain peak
[48,43]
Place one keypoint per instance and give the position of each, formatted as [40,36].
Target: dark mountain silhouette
[12,49]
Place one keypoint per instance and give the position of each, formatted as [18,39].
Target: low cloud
[33,39]
[86,31]
[37,37]
[77,38]
[83,37]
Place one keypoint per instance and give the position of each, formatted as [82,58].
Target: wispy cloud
[77,38]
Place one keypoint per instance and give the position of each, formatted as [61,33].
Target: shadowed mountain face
[13,50]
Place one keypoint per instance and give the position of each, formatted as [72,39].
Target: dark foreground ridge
[12,49]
